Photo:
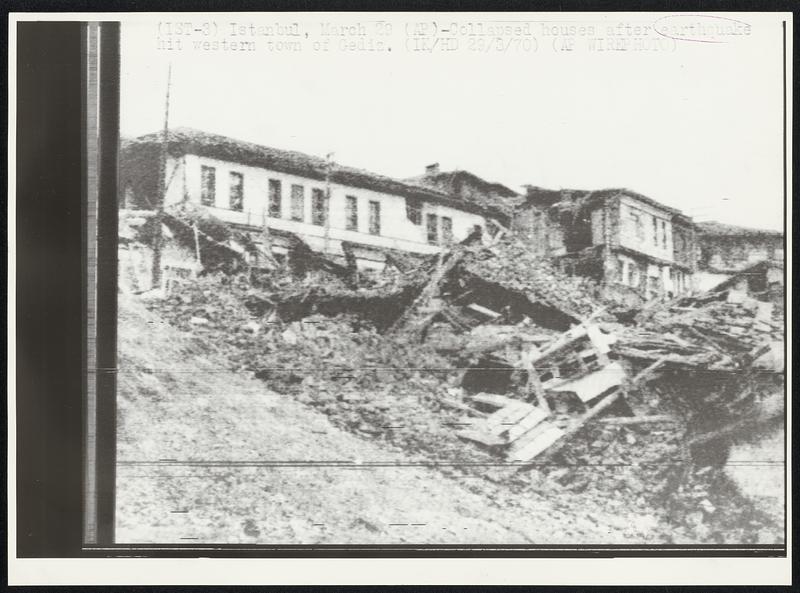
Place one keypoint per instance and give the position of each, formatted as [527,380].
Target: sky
[698,127]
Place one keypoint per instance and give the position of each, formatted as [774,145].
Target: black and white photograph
[378,294]
[465,281]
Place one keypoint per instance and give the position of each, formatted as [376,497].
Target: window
[433,229]
[664,234]
[298,203]
[208,185]
[274,198]
[414,210]
[634,274]
[653,284]
[351,213]
[374,218]
[318,207]
[655,231]
[447,229]
[638,225]
[236,193]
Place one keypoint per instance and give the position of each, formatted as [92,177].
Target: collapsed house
[540,353]
[471,188]
[726,251]
[638,248]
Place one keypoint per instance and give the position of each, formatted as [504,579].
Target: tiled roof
[496,195]
[192,141]
[554,195]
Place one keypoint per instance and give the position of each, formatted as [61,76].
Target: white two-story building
[248,185]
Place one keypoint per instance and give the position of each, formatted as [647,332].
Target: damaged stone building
[726,251]
[636,247]
[252,187]
[470,188]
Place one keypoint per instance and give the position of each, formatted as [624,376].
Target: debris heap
[488,355]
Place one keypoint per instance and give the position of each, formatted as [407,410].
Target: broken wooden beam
[413,321]
[602,405]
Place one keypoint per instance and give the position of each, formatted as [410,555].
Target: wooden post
[158,239]
[328,164]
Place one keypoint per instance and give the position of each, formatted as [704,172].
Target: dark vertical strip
[49,270]
[107,281]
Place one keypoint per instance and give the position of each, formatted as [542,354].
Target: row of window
[319,206]
[659,235]
[319,201]
[208,192]
[432,225]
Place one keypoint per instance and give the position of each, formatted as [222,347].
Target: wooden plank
[493,399]
[533,443]
[589,386]
[566,339]
[536,417]
[599,407]
[503,419]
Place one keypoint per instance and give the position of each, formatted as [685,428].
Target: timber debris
[489,355]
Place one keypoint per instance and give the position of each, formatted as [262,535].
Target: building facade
[726,250]
[250,186]
[638,248]
[471,188]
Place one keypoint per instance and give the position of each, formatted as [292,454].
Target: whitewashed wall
[397,231]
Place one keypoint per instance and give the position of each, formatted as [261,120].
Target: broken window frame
[298,204]
[374,217]
[432,228]
[319,214]
[274,198]
[208,185]
[414,210]
[236,191]
[351,213]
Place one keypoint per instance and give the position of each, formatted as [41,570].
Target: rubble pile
[401,393]
[484,356]
[714,335]
[511,264]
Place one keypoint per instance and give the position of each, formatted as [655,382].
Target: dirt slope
[210,456]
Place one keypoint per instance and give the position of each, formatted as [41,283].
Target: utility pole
[162,182]
[328,165]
